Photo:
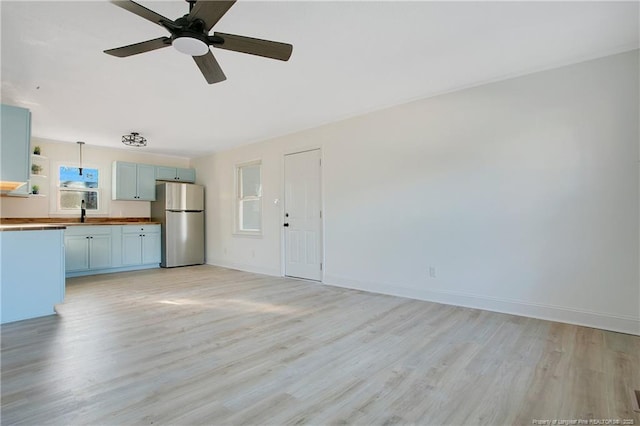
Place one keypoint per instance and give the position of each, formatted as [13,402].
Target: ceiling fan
[190,35]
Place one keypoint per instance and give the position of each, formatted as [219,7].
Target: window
[73,188]
[249,198]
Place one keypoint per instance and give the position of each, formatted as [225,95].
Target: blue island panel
[32,273]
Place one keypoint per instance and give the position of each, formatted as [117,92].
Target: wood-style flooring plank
[207,345]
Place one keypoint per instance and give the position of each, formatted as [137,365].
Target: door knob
[286,225]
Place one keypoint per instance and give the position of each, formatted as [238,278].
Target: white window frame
[55,202]
[239,200]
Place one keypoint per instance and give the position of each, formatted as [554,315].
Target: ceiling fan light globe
[190,46]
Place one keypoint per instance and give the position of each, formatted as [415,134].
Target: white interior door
[302,215]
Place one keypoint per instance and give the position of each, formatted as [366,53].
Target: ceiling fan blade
[210,11]
[144,46]
[210,68]
[255,46]
[141,11]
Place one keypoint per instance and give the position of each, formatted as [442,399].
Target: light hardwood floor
[206,345]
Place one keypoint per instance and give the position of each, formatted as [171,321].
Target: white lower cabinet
[111,248]
[140,245]
[151,247]
[131,249]
[76,253]
[99,251]
[87,248]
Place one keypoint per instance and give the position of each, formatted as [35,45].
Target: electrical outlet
[432,271]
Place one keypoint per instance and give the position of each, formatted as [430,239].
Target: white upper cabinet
[133,182]
[14,147]
[175,174]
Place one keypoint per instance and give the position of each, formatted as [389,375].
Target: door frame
[283,254]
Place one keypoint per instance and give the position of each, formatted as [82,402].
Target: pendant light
[80,148]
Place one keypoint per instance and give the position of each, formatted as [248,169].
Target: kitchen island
[32,275]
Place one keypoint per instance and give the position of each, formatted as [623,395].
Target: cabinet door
[151,248]
[15,139]
[100,251]
[131,249]
[146,182]
[76,253]
[124,181]
[165,173]
[186,175]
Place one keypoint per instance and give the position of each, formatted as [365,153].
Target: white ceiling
[349,58]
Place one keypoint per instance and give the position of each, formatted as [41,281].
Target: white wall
[522,194]
[67,153]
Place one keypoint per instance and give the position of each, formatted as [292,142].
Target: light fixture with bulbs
[134,139]
[191,43]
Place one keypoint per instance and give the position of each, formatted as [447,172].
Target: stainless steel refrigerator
[179,207]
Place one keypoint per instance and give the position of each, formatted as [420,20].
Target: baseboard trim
[244,267]
[38,314]
[622,324]
[111,270]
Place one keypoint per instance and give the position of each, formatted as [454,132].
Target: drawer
[88,230]
[134,229]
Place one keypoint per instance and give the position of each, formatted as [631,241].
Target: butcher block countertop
[48,223]
[31,227]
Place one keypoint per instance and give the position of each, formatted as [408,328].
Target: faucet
[83,211]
